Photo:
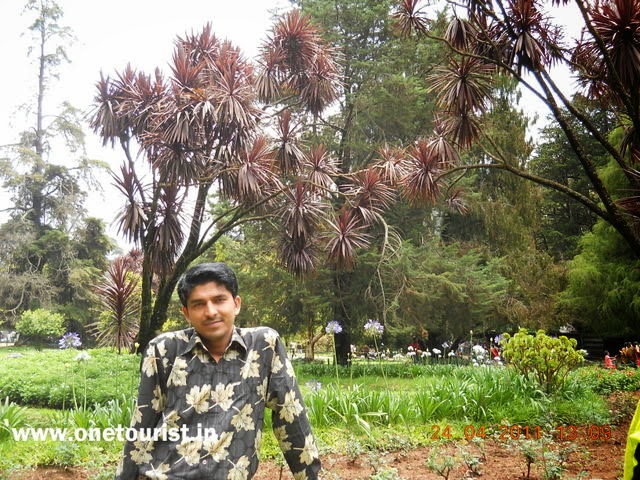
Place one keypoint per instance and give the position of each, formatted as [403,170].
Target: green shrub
[547,360]
[606,381]
[40,326]
[11,416]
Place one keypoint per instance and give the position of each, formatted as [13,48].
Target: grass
[412,405]
[55,379]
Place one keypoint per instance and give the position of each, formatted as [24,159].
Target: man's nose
[211,308]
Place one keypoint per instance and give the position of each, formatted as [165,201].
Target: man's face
[211,310]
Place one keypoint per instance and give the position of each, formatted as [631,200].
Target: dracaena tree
[524,40]
[207,165]
[119,322]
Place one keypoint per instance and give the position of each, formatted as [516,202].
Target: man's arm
[289,419]
[149,406]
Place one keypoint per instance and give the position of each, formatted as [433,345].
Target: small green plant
[354,449]
[40,326]
[530,451]
[554,461]
[333,328]
[11,416]
[471,461]
[381,471]
[547,360]
[386,473]
[441,464]
[66,453]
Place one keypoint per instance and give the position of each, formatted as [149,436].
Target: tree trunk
[309,351]
[146,332]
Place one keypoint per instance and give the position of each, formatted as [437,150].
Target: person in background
[211,384]
[609,361]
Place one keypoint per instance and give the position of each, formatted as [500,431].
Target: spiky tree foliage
[202,137]
[383,104]
[119,323]
[522,39]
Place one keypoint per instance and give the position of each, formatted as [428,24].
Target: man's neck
[217,349]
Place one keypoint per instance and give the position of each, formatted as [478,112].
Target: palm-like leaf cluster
[295,60]
[117,292]
[517,37]
[200,126]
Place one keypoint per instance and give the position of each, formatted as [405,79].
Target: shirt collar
[196,340]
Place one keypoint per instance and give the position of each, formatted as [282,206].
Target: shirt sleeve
[290,422]
[147,413]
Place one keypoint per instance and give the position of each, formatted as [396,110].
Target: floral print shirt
[201,419]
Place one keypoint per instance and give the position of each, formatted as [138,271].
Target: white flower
[82,357]
[436,351]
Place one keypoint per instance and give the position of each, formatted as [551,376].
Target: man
[203,392]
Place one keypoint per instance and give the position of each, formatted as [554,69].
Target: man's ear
[238,302]
[185,313]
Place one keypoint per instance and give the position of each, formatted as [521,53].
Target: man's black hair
[202,273]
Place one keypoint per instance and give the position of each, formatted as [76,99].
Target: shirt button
[204,462]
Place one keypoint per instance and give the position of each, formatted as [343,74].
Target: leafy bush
[547,360]
[606,381]
[40,326]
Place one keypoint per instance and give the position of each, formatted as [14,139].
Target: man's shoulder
[177,337]
[259,337]
[258,332]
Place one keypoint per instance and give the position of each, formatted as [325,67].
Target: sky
[108,35]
